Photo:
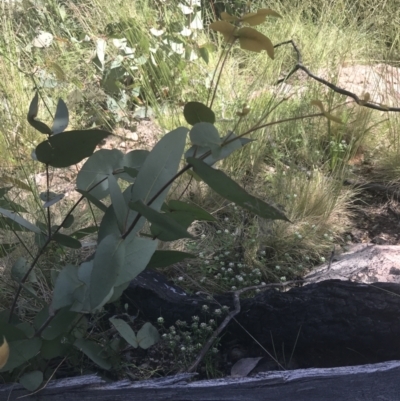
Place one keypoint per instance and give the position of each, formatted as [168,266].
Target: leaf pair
[249,38]
[60,122]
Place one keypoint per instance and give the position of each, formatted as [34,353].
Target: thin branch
[299,66]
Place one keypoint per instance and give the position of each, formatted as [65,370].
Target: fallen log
[361,383]
[325,324]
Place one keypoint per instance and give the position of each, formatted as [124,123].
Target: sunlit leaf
[268,12]
[227,30]
[318,103]
[255,41]
[253,18]
[227,17]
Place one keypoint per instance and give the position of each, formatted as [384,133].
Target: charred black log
[330,323]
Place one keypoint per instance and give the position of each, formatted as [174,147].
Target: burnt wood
[357,383]
[336,323]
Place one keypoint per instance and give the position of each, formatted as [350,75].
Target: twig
[299,66]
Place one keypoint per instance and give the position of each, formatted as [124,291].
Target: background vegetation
[117,63]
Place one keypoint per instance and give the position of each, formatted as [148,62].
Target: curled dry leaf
[4,353]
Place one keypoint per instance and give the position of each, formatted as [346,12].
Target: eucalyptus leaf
[147,336]
[229,189]
[21,351]
[67,241]
[206,135]
[94,351]
[61,119]
[68,221]
[96,169]
[20,268]
[32,114]
[66,284]
[125,331]
[19,220]
[88,195]
[84,232]
[196,112]
[108,262]
[162,258]
[162,220]
[69,148]
[119,205]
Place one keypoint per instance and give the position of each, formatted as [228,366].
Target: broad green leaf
[19,220]
[82,293]
[162,220]
[108,263]
[98,203]
[182,219]
[196,112]
[84,232]
[67,223]
[147,336]
[26,328]
[67,241]
[206,135]
[229,189]
[21,351]
[11,331]
[197,212]
[117,292]
[32,114]
[159,167]
[255,41]
[132,162]
[69,148]
[61,118]
[66,284]
[94,351]
[125,331]
[5,353]
[118,202]
[60,324]
[53,348]
[227,30]
[166,258]
[96,169]
[138,254]
[32,380]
